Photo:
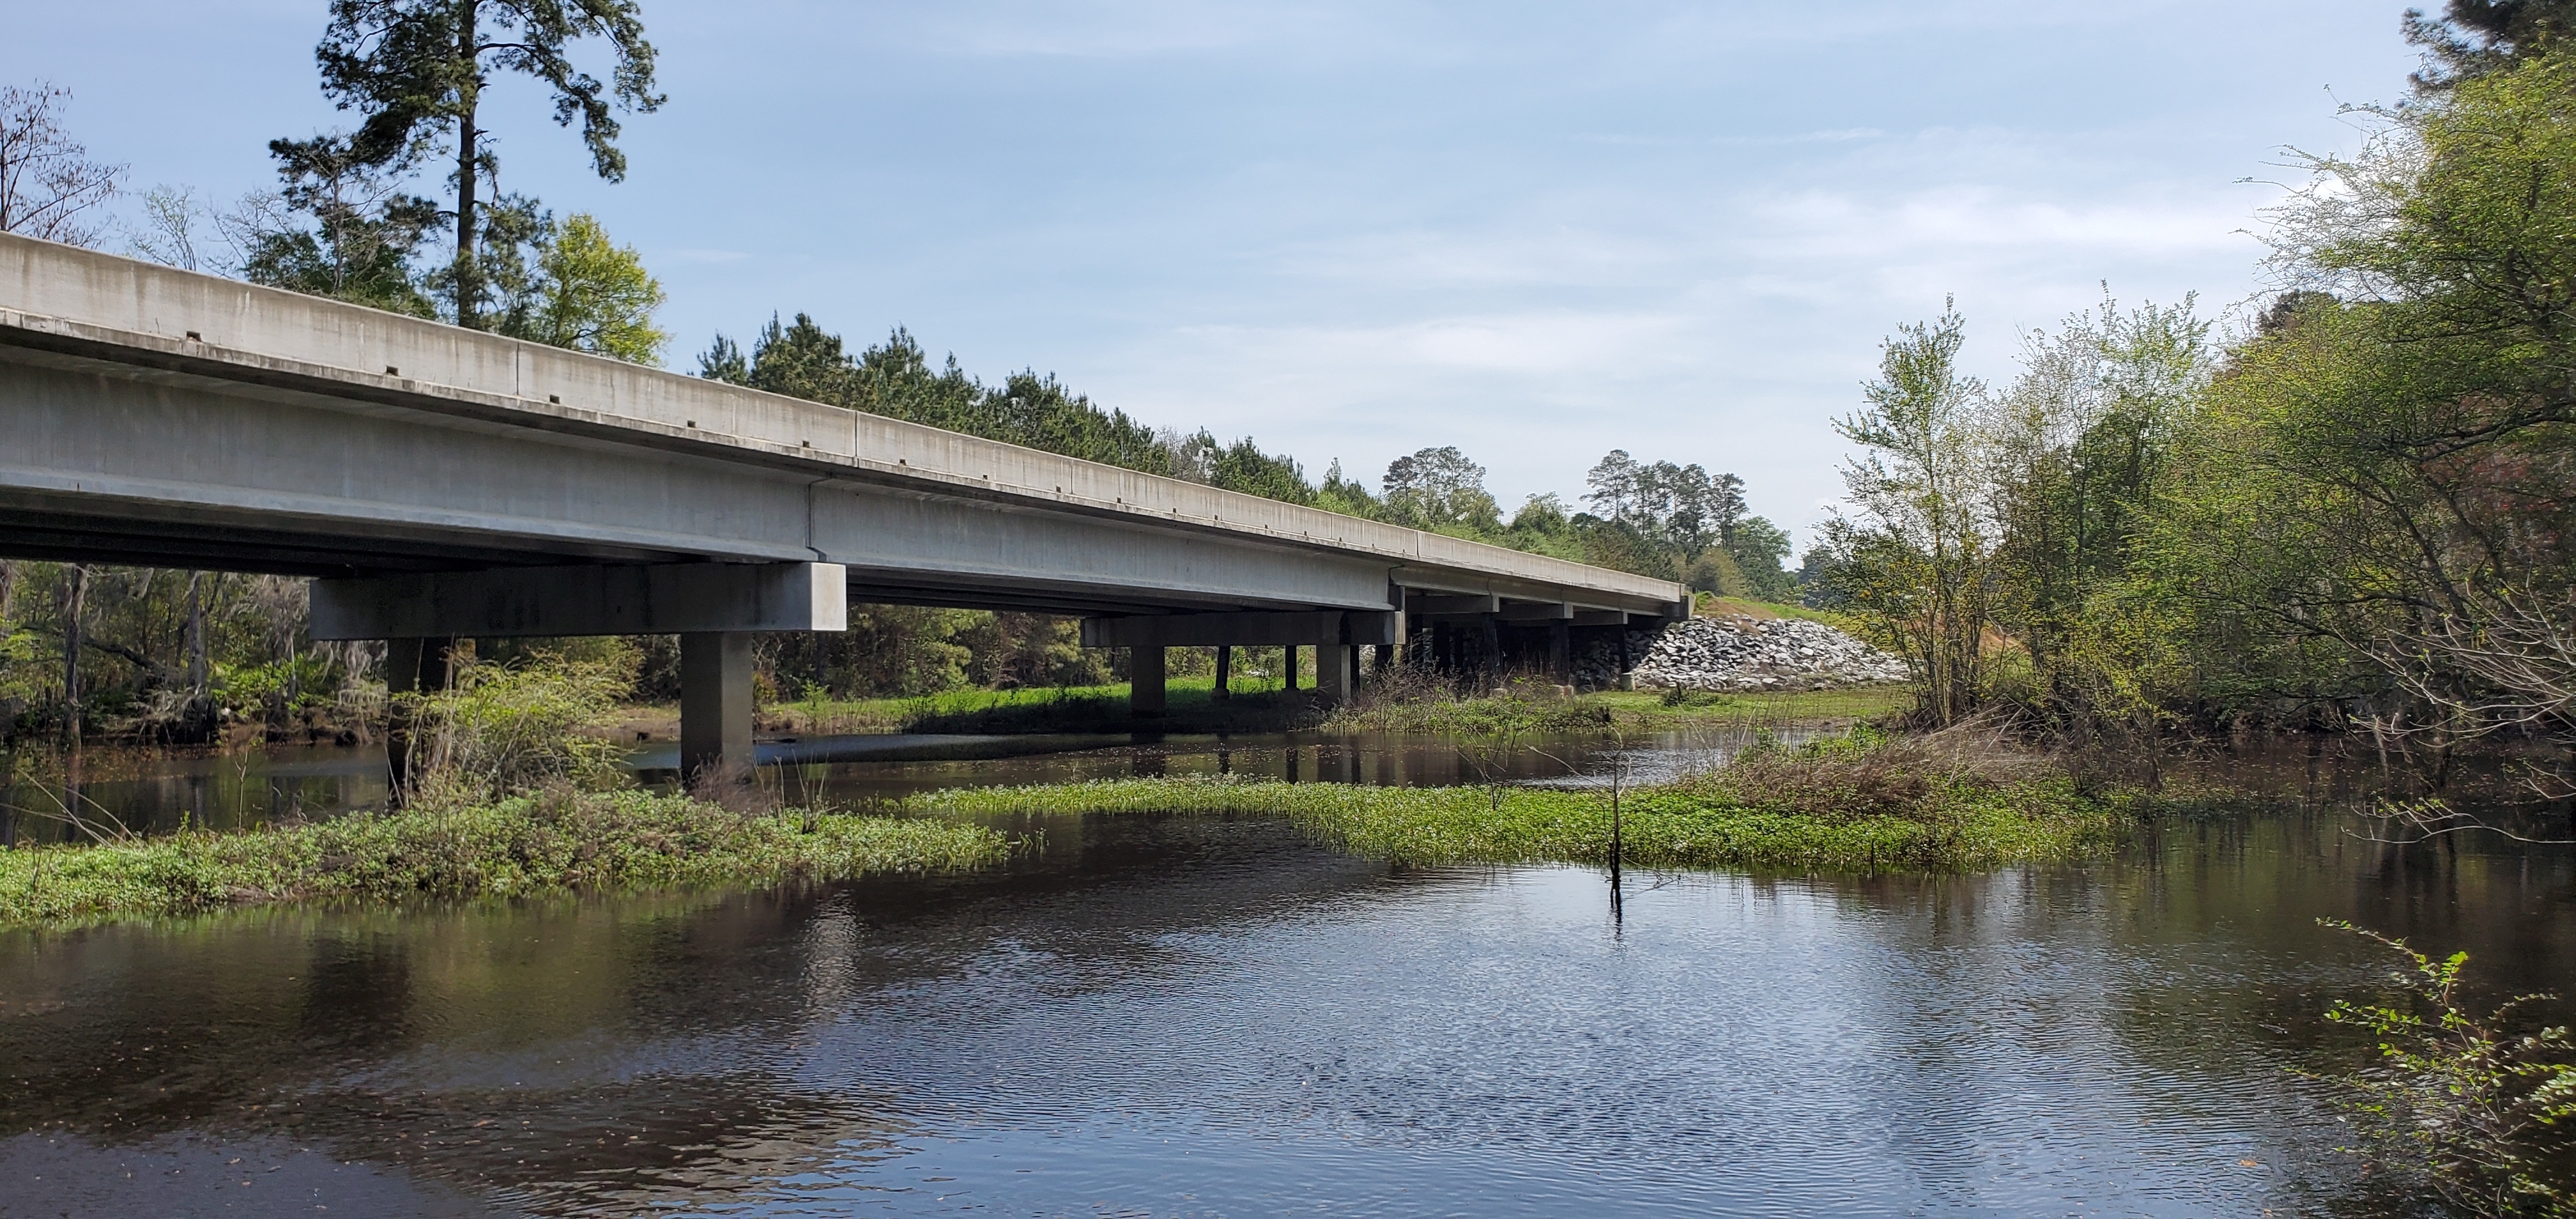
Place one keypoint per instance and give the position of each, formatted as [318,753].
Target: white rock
[1739,653]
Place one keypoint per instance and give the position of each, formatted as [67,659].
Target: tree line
[1653,518]
[2351,510]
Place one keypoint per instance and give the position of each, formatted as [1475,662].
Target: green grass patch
[1963,827]
[552,842]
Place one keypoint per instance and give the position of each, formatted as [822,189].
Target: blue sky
[1534,231]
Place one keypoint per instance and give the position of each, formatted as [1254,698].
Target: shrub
[2455,1109]
[500,729]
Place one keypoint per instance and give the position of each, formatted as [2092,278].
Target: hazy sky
[1537,232]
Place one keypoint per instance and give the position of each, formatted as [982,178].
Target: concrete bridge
[442,483]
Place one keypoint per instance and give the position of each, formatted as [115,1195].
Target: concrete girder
[1245,629]
[1543,611]
[665,599]
[1452,604]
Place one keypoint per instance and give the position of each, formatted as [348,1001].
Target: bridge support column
[715,706]
[1335,634]
[1333,672]
[1224,671]
[1145,680]
[412,666]
[1491,636]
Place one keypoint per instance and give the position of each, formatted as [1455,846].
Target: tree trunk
[75,593]
[196,638]
[469,271]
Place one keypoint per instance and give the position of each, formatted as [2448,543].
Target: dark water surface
[1202,1018]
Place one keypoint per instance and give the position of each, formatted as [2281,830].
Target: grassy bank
[557,842]
[1846,807]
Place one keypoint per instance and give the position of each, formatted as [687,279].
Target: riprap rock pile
[1741,653]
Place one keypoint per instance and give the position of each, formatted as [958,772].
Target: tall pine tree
[415,71]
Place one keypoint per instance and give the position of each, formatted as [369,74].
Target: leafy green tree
[2379,485]
[2079,448]
[1684,508]
[1439,489]
[1347,496]
[1757,549]
[895,379]
[591,295]
[339,228]
[1542,526]
[1242,466]
[1917,560]
[415,71]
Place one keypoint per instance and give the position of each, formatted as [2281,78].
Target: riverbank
[558,842]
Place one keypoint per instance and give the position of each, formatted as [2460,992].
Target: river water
[1172,1017]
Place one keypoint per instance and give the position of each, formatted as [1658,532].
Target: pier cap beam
[1294,628]
[1444,604]
[1542,611]
[661,599]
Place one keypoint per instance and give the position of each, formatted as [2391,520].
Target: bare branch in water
[2429,818]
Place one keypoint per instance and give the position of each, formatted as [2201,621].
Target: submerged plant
[2455,1109]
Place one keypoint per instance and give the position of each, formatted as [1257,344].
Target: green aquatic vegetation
[1953,825]
[556,841]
